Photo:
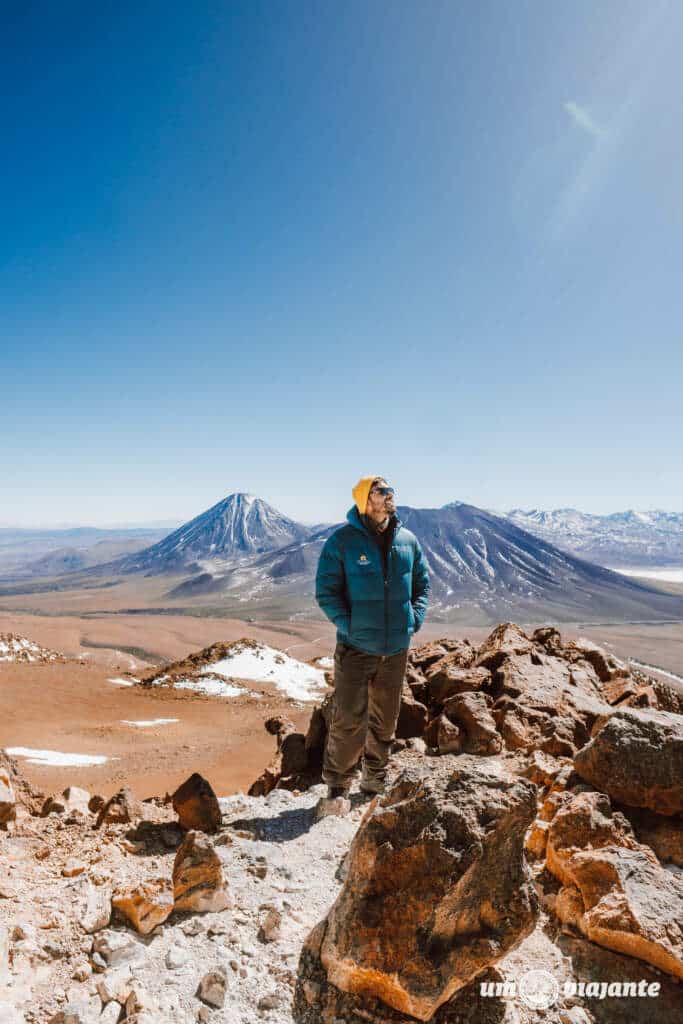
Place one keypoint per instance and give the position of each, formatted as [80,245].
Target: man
[372,582]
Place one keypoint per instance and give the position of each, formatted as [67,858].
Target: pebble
[176,957]
[82,972]
[212,988]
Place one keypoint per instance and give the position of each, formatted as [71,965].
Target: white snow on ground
[54,758]
[264,664]
[19,648]
[325,662]
[653,668]
[123,682]
[211,687]
[666,575]
[145,723]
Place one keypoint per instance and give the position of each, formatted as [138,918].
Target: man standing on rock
[372,583]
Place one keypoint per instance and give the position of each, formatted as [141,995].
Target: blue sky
[275,246]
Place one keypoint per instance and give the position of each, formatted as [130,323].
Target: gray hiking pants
[367,692]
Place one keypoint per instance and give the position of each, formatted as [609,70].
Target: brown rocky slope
[503,853]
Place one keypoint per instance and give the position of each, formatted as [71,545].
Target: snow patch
[146,723]
[263,664]
[55,758]
[123,682]
[211,687]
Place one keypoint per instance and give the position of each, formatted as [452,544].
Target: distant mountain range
[626,540]
[244,550]
[243,553]
[36,553]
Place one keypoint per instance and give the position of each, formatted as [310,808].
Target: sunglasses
[386,492]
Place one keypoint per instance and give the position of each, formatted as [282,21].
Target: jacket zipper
[385,573]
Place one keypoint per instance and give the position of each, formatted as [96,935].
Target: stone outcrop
[198,881]
[121,809]
[412,716]
[614,890]
[436,888]
[196,805]
[637,757]
[443,737]
[145,906]
[24,795]
[8,801]
[624,900]
[663,834]
[471,712]
[289,767]
[447,678]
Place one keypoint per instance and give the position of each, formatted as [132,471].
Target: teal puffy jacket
[373,613]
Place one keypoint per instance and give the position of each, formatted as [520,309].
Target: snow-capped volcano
[625,539]
[239,525]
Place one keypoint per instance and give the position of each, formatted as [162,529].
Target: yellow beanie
[362,489]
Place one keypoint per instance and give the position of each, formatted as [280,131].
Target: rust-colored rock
[470,711]
[412,716]
[506,639]
[637,757]
[436,887]
[196,805]
[443,736]
[145,906]
[8,801]
[542,703]
[425,655]
[447,678]
[121,809]
[198,881]
[628,903]
[584,821]
[662,834]
[614,889]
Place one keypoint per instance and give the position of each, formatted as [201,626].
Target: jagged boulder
[584,821]
[615,891]
[624,900]
[23,793]
[290,761]
[506,639]
[121,809]
[542,703]
[426,655]
[443,737]
[470,711]
[436,888]
[412,716]
[662,834]
[197,805]
[637,757]
[447,678]
[198,881]
[146,905]
[8,801]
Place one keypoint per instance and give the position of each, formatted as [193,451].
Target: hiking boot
[334,792]
[371,785]
[336,803]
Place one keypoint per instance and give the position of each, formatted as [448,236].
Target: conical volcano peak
[240,524]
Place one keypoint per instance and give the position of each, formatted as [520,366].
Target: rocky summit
[526,855]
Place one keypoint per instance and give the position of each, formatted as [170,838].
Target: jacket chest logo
[363,560]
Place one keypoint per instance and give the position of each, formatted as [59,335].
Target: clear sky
[275,246]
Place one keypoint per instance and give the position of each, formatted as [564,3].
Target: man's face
[380,506]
